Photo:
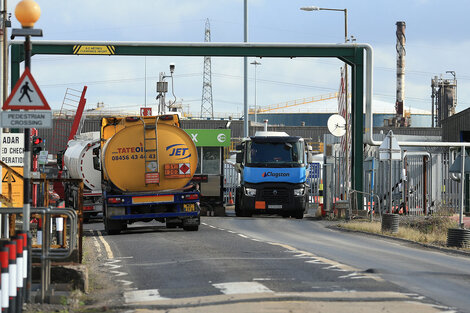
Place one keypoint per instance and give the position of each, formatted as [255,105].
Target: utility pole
[207,105]
[245,72]
[255,63]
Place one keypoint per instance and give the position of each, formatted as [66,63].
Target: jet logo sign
[179,150]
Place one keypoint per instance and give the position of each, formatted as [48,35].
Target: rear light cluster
[132,119]
[115,200]
[194,196]
[88,208]
[166,117]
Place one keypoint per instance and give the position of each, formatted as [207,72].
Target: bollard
[39,233]
[59,227]
[12,276]
[4,252]
[19,271]
[24,234]
[390,223]
[458,237]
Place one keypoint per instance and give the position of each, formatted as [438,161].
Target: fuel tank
[147,153]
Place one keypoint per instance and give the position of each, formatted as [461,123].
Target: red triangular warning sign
[26,95]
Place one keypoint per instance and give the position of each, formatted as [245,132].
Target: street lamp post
[27,12]
[255,63]
[314,8]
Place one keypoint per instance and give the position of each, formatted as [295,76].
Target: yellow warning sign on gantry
[102,50]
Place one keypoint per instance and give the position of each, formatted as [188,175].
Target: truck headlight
[299,192]
[250,192]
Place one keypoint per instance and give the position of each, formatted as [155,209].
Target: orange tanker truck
[147,164]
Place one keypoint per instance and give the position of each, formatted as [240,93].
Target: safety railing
[352,200]
[16,271]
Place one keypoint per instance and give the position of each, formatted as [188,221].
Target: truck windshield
[271,153]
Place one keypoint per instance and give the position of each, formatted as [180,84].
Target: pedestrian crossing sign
[26,95]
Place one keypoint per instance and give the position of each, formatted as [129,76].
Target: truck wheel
[172,225]
[191,228]
[237,203]
[239,210]
[112,227]
[299,215]
[247,213]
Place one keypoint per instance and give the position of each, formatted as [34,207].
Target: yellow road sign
[80,49]
[16,187]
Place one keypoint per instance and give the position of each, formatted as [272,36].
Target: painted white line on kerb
[142,296]
[97,245]
[106,246]
[241,287]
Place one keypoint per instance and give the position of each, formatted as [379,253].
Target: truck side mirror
[239,158]
[309,154]
[309,157]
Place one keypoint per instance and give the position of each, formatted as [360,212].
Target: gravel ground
[102,296]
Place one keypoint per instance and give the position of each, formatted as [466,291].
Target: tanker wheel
[112,227]
[172,225]
[191,228]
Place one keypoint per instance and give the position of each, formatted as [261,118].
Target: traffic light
[37,145]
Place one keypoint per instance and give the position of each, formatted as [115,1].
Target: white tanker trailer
[78,162]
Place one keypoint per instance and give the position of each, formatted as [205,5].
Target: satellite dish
[337,125]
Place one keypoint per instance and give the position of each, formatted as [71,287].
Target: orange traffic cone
[230,199]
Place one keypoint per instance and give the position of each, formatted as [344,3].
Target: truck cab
[273,170]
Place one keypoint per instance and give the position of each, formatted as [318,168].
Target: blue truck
[273,169]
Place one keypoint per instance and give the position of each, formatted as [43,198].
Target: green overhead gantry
[352,54]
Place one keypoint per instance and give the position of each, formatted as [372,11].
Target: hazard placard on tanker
[178,170]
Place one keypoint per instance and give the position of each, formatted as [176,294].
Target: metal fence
[231,180]
[420,182]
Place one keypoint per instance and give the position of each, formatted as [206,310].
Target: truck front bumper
[274,199]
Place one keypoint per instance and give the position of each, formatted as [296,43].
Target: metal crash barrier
[15,263]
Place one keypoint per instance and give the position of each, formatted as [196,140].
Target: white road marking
[142,296]
[111,264]
[354,275]
[241,235]
[303,255]
[314,261]
[118,273]
[242,287]
[109,252]
[97,245]
[125,282]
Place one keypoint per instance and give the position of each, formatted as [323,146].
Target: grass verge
[430,230]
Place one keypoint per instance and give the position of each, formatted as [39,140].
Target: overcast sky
[436,33]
